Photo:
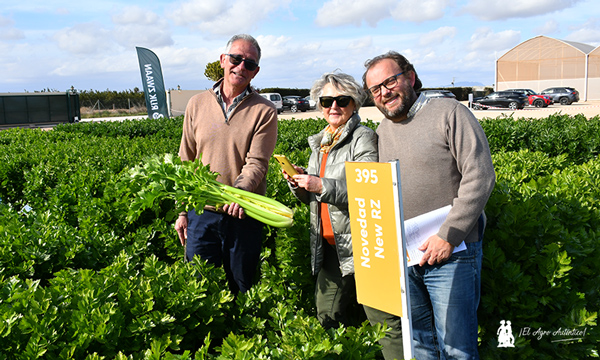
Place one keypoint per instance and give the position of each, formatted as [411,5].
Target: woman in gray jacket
[323,186]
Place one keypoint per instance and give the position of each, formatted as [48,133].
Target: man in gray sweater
[444,160]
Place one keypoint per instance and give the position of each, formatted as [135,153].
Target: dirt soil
[587,108]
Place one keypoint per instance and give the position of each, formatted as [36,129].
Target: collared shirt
[421,101]
[234,103]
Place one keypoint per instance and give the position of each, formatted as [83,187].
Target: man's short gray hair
[244,37]
[343,83]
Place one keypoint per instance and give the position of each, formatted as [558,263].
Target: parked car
[276,99]
[502,99]
[562,95]
[312,104]
[438,94]
[535,99]
[295,103]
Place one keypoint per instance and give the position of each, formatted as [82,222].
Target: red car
[535,99]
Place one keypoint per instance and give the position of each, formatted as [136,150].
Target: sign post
[377,226]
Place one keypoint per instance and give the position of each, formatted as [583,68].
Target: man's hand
[181,228]
[437,250]
[235,210]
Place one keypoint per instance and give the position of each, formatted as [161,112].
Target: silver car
[438,94]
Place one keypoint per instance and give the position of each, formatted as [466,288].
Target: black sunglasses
[341,101]
[250,65]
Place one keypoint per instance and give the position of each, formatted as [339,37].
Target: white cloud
[133,26]
[197,11]
[498,10]
[139,27]
[438,36]
[87,38]
[135,15]
[482,60]
[420,10]
[98,64]
[6,22]
[345,12]
[11,34]
[586,36]
[273,46]
[588,32]
[361,43]
[549,27]
[224,18]
[7,31]
[355,12]
[485,40]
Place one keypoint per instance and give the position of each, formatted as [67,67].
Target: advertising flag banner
[377,226]
[154,87]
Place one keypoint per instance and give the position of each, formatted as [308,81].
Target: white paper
[418,229]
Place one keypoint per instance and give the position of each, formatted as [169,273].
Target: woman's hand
[309,182]
[291,179]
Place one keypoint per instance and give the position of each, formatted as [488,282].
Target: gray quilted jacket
[357,143]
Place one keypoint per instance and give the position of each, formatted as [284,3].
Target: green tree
[214,71]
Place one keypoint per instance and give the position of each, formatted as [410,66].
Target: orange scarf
[330,137]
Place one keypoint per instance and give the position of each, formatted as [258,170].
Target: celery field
[80,278]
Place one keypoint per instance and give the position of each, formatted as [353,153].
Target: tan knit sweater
[239,148]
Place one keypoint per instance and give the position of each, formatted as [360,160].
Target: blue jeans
[444,300]
[223,240]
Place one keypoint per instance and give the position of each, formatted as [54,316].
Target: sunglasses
[341,101]
[250,65]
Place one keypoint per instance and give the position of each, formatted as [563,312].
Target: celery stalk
[191,185]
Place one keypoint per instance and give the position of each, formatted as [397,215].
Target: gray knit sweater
[444,159]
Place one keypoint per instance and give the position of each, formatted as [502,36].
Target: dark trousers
[226,241]
[335,295]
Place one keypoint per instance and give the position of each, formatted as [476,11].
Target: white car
[312,104]
[276,99]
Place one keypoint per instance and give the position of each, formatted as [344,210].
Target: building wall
[178,100]
[543,62]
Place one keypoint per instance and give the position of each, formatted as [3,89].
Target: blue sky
[91,44]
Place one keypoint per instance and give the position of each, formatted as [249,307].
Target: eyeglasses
[250,65]
[389,84]
[341,101]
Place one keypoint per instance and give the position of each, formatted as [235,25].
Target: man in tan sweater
[234,130]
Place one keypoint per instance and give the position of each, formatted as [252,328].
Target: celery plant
[192,186]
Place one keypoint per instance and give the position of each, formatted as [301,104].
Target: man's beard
[400,112]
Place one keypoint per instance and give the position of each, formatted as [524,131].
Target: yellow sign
[374,205]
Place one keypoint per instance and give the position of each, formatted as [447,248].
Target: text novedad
[377,248]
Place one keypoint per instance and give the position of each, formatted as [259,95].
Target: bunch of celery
[192,186]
